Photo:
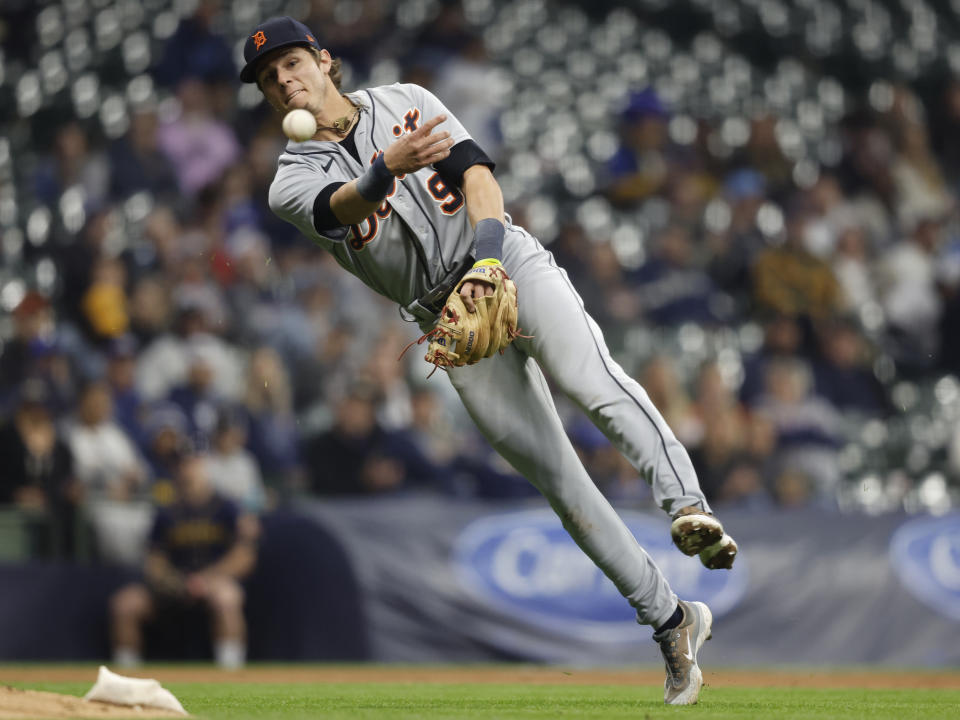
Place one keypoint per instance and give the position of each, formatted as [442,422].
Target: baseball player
[395,188]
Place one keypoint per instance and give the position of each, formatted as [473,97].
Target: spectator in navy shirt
[357,456]
[674,289]
[37,473]
[843,375]
[201,548]
[196,51]
[137,163]
[639,167]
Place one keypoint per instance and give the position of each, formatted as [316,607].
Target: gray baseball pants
[508,398]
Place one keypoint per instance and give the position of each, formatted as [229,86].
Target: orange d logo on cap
[277,32]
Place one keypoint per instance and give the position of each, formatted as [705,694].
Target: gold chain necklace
[343,124]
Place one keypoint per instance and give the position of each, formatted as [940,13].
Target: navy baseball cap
[269,35]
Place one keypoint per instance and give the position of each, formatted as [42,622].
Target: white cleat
[679,647]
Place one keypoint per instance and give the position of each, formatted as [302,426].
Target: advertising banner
[431,579]
[467,581]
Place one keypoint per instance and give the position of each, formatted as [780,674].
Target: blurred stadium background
[757,200]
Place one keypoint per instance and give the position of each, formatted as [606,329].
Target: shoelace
[672,659]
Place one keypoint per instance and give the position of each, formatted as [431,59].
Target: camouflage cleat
[721,554]
[679,647]
[698,532]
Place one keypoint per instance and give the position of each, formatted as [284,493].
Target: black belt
[435,298]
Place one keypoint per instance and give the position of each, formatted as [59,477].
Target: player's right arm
[358,199]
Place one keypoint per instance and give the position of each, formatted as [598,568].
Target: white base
[120,690]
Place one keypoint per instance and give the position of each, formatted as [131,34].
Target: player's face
[293,79]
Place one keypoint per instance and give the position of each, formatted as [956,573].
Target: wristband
[488,239]
[375,183]
[486,262]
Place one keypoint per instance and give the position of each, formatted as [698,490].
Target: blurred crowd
[184,318]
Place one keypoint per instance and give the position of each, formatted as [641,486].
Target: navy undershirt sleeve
[463,155]
[323,218]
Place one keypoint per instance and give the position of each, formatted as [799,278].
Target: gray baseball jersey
[419,234]
[413,240]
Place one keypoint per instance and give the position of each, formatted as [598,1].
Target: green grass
[383,701]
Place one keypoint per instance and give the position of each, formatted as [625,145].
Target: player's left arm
[484,201]
[482,194]
[469,168]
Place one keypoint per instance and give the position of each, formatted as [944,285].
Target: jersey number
[360,237]
[450,199]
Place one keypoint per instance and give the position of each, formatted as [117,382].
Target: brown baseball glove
[462,337]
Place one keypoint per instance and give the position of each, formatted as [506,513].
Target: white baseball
[299,125]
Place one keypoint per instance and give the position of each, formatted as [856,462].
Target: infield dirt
[16,703]
[502,674]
